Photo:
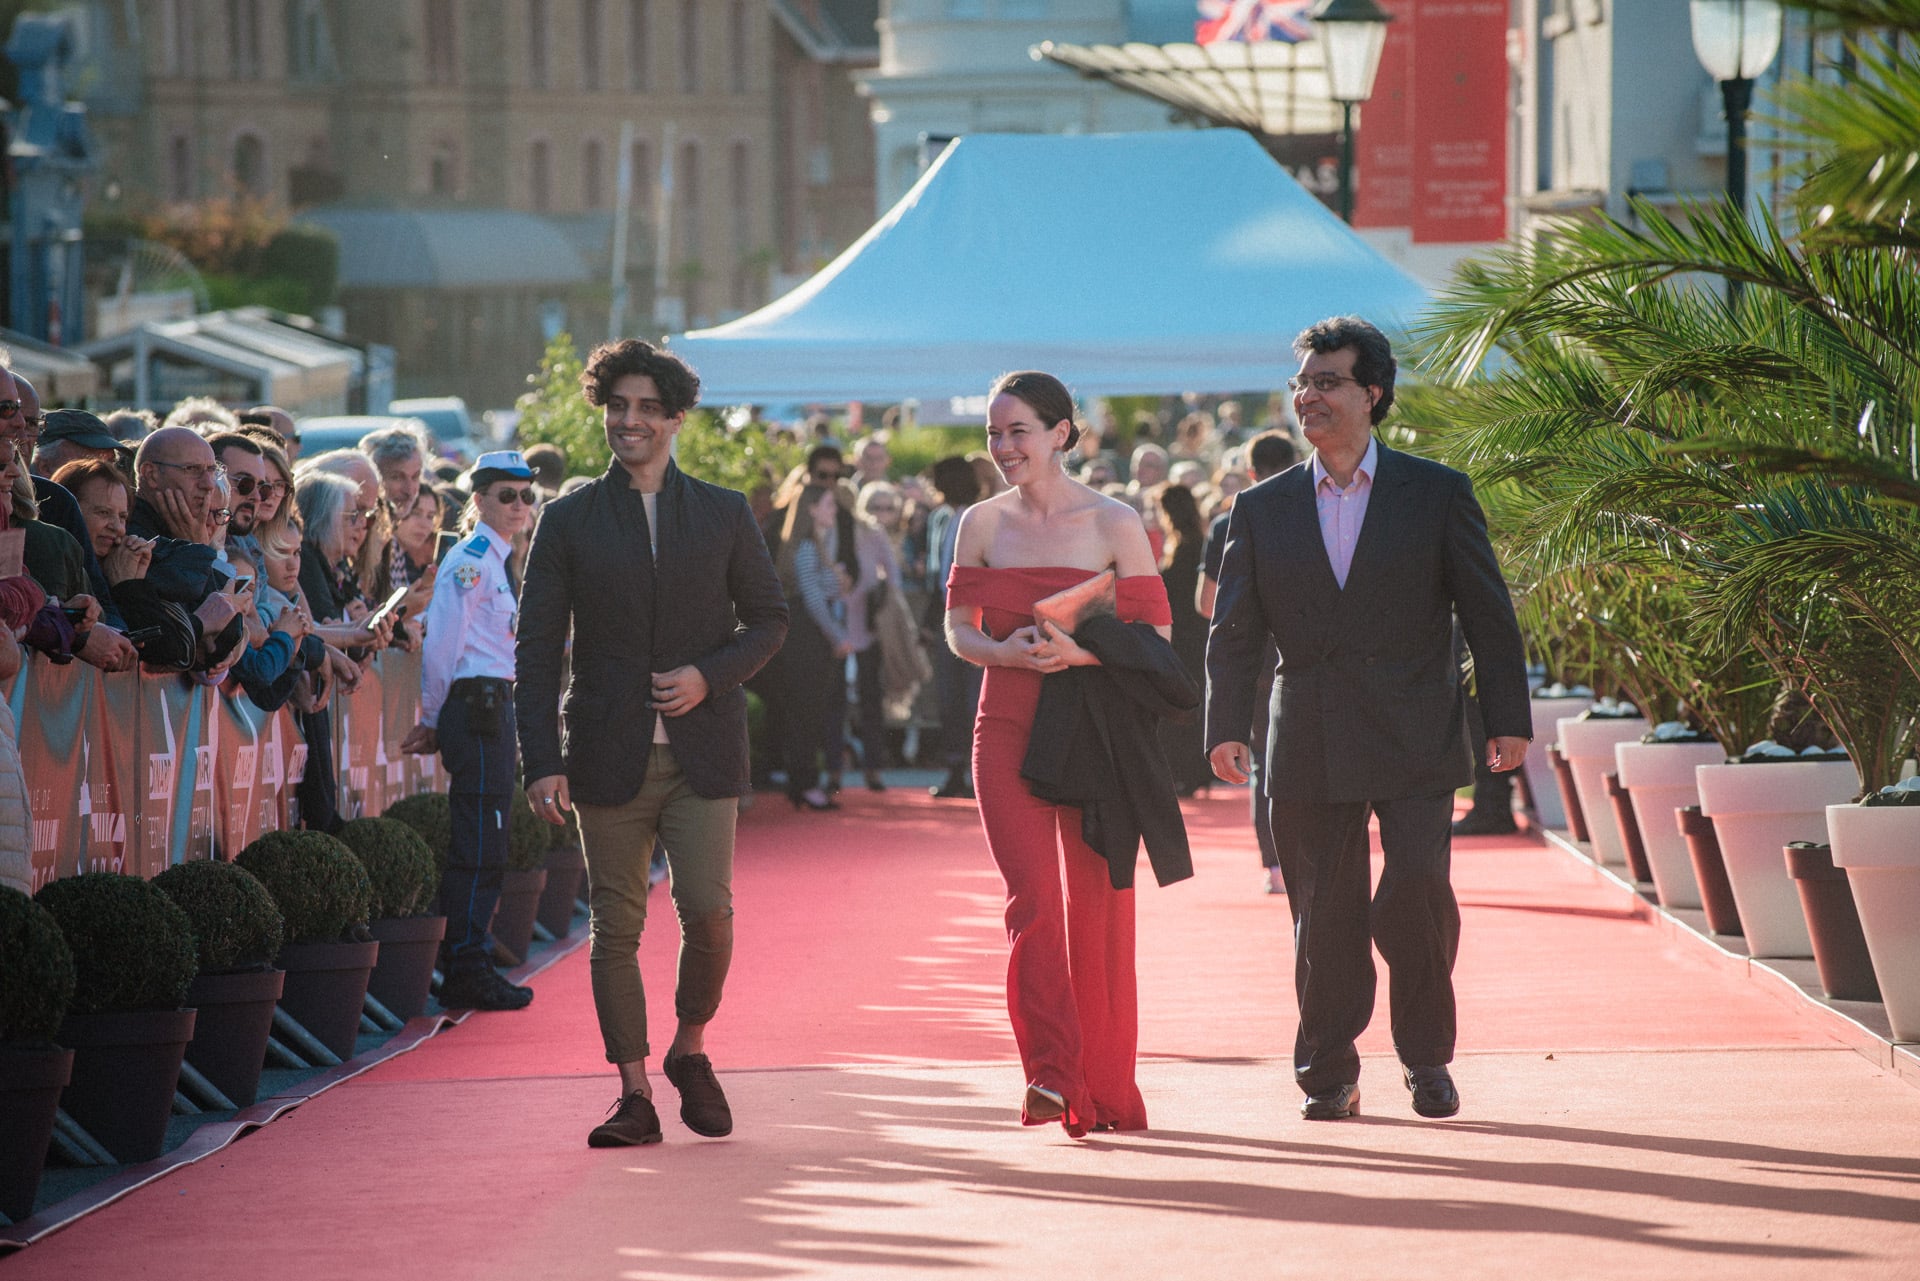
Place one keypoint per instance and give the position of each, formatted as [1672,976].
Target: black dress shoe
[1433,1092]
[703,1105]
[1485,825]
[483,990]
[1337,1104]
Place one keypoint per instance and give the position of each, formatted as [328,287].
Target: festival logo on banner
[177,821]
[236,777]
[111,775]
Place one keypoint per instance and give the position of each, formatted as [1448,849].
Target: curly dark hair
[611,361]
[1373,363]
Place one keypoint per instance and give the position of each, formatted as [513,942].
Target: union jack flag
[1253,20]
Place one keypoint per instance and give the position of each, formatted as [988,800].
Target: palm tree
[1732,475]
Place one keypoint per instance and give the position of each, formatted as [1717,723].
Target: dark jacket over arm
[710,599]
[1095,744]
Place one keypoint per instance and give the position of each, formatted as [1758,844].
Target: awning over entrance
[1267,87]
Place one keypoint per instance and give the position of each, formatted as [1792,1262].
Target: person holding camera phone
[466,715]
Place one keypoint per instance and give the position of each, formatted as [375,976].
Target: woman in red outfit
[1070,978]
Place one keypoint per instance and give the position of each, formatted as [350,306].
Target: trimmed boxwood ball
[529,836]
[431,815]
[236,924]
[321,888]
[132,945]
[399,864]
[39,968]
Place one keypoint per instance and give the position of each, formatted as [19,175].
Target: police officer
[466,714]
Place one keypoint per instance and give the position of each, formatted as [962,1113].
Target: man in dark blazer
[1356,563]
[672,600]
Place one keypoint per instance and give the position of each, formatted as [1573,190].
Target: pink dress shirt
[1343,511]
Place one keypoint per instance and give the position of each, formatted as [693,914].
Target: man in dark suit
[1356,564]
[673,602]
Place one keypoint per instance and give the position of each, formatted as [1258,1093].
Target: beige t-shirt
[652,503]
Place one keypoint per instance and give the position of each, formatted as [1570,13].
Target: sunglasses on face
[511,496]
[244,485]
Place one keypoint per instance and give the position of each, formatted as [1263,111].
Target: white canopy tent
[1123,263]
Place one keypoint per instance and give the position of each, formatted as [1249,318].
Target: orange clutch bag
[1067,610]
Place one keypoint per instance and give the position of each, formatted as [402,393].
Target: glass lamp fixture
[1352,34]
[1736,39]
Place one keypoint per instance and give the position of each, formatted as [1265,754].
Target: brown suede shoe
[702,1104]
[631,1123]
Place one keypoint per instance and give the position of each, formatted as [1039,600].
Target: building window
[441,43]
[639,45]
[687,178]
[443,172]
[689,46]
[592,178]
[737,46]
[243,39]
[738,177]
[643,178]
[540,174]
[538,59]
[310,41]
[176,37]
[179,168]
[250,164]
[592,35]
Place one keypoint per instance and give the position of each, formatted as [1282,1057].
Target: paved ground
[1631,1109]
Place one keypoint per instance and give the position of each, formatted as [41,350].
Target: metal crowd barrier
[133,773]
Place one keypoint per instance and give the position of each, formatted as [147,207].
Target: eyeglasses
[825,477]
[268,488]
[512,496]
[359,516]
[221,515]
[244,485]
[196,472]
[8,408]
[1322,383]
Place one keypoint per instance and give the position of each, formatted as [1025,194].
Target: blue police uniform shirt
[471,620]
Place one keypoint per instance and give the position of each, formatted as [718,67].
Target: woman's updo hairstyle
[1044,394]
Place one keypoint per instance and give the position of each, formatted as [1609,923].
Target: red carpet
[1631,1110]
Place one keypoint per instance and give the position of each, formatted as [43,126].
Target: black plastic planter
[566,868]
[1839,944]
[230,1037]
[519,901]
[404,974]
[327,988]
[30,1086]
[126,1067]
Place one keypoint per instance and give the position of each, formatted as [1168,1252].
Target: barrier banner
[179,741]
[111,772]
[356,734]
[52,723]
[242,799]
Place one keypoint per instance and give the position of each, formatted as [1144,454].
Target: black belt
[469,683]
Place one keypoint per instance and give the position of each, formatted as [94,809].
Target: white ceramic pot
[1588,747]
[1660,777]
[1541,784]
[1757,810]
[1880,848]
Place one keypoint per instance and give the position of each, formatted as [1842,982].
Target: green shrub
[236,924]
[39,968]
[431,815]
[529,836]
[320,886]
[132,946]
[401,868]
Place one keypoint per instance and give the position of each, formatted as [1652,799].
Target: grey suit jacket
[1367,699]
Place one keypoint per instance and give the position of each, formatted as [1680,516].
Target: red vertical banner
[1383,162]
[1460,130]
[49,706]
[111,775]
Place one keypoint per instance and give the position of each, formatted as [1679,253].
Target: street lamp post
[1351,33]
[1735,41]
